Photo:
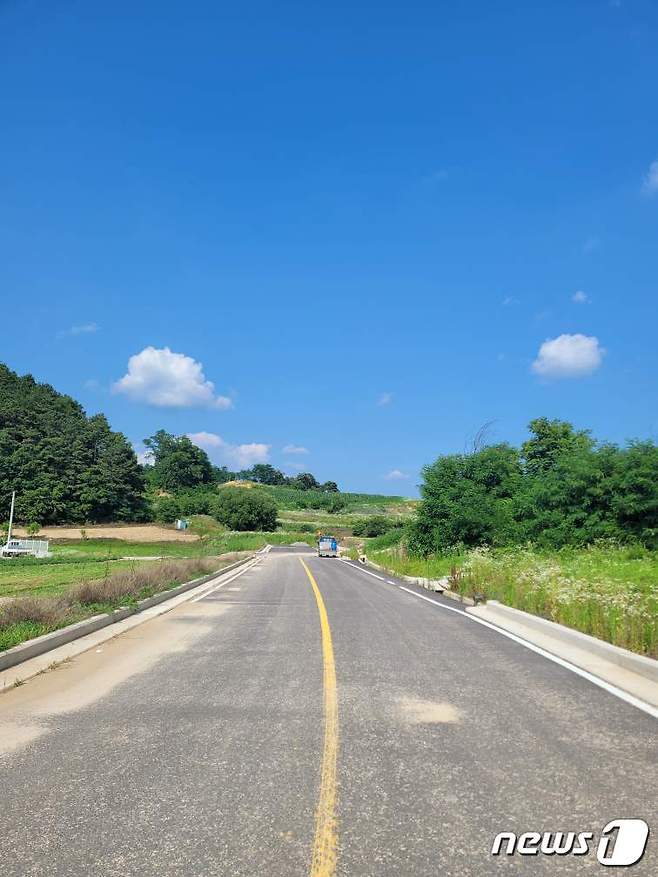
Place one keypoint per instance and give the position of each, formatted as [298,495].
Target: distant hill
[64,465]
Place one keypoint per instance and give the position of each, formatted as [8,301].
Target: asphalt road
[243,734]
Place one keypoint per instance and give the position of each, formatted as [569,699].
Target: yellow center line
[325,844]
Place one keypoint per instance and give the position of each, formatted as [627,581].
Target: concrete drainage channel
[51,644]
[635,675]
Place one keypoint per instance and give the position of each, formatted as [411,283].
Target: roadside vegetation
[563,527]
[26,617]
[84,560]
[606,590]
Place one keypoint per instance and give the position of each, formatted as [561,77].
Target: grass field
[608,591]
[76,561]
[18,578]
[291,499]
[34,613]
[86,577]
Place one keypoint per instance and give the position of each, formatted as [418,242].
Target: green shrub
[167,509]
[377,525]
[386,540]
[245,509]
[468,498]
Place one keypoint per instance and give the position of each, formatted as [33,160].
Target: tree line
[68,467]
[176,463]
[560,488]
[64,465]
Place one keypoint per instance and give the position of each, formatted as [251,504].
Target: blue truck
[327,546]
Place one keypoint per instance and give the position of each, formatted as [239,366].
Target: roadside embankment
[619,668]
[28,617]
[606,591]
[634,674]
[36,655]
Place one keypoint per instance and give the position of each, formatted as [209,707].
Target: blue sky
[371,227]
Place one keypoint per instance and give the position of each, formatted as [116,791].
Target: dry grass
[49,611]
[108,592]
[133,583]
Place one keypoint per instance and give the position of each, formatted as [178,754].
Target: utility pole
[11,514]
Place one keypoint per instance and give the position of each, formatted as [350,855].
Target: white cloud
[385,399]
[568,356]
[245,456]
[437,176]
[650,185]
[509,300]
[144,456]
[206,439]
[580,297]
[240,456]
[172,380]
[396,475]
[82,329]
[295,449]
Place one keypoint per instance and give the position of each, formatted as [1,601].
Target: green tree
[242,509]
[177,462]
[570,502]
[376,525]
[103,493]
[467,498]
[167,509]
[550,440]
[263,473]
[220,475]
[304,481]
[634,492]
[60,461]
[335,504]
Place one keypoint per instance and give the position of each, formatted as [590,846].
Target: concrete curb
[49,641]
[647,667]
[634,674]
[438,585]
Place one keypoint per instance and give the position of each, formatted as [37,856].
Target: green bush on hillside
[561,488]
[244,509]
[376,525]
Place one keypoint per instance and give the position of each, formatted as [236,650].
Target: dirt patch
[428,712]
[25,711]
[128,532]
[14,735]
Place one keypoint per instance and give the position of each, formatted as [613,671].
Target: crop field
[128,532]
[290,498]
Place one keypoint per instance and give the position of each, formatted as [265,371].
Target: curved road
[205,742]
